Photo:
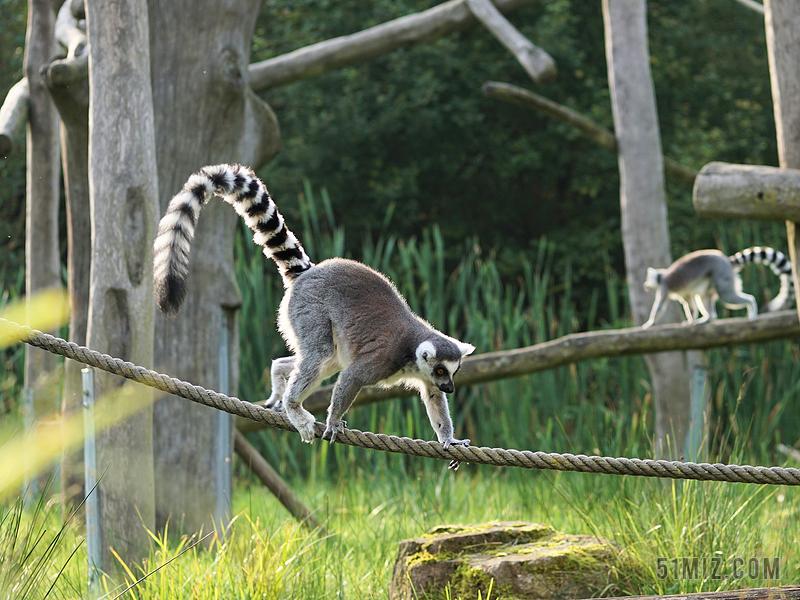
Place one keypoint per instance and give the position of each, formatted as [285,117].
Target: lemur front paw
[333,429]
[647,324]
[274,402]
[303,422]
[454,442]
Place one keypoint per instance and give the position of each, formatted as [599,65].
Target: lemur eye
[439,371]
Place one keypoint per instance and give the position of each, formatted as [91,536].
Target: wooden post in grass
[643,206]
[42,266]
[124,212]
[782,22]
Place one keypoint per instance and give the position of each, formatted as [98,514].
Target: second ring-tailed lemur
[698,279]
[339,315]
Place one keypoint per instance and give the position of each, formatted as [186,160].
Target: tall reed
[601,406]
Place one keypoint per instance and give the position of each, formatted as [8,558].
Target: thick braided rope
[389,443]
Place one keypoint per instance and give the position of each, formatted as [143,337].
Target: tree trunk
[71,98]
[124,212]
[73,105]
[782,21]
[205,113]
[645,235]
[41,236]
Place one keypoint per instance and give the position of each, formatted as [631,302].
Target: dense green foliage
[594,407]
[12,194]
[412,129]
[12,167]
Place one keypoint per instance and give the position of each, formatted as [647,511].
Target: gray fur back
[362,309]
[691,267]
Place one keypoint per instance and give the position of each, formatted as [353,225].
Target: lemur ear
[466,349]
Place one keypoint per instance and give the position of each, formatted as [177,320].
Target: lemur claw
[454,442]
[334,429]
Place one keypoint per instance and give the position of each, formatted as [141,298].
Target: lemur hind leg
[689,309]
[701,308]
[733,299]
[305,378]
[279,376]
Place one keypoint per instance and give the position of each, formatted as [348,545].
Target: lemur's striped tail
[780,265]
[238,186]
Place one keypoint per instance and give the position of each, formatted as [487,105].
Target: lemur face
[653,279]
[438,370]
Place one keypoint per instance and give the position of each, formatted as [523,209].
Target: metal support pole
[31,489]
[222,448]
[93,532]
[693,448]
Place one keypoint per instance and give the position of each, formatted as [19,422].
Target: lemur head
[653,279]
[438,359]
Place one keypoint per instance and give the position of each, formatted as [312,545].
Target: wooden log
[577,347]
[788,592]
[723,190]
[416,28]
[594,131]
[274,482]
[13,115]
[536,62]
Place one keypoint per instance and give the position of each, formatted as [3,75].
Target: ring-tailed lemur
[339,315]
[698,279]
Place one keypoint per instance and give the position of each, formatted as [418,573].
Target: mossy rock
[514,560]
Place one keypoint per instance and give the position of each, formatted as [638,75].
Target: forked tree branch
[322,57]
[536,62]
[597,133]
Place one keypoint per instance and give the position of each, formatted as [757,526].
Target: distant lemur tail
[780,265]
[238,186]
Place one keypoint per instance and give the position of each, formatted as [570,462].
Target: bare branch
[365,45]
[578,347]
[13,115]
[752,4]
[597,133]
[536,62]
[747,192]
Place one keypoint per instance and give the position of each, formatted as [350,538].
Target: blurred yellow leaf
[46,311]
[28,454]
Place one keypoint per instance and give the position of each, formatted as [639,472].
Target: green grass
[265,554]
[369,501]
